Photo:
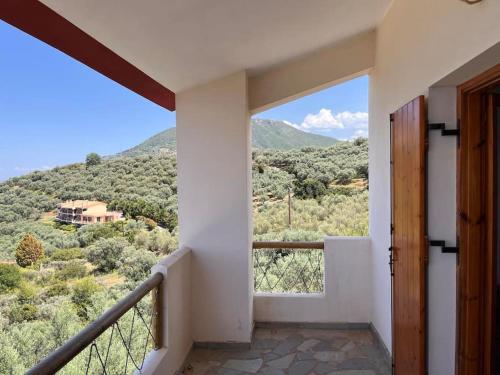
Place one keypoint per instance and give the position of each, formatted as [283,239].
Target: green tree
[161,241]
[90,233]
[92,159]
[310,188]
[82,295]
[345,176]
[107,253]
[29,250]
[137,265]
[10,277]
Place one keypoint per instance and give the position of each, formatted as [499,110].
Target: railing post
[157,315]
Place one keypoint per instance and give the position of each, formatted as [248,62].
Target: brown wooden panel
[408,142]
[476,212]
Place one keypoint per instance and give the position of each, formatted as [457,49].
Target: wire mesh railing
[117,342]
[288,267]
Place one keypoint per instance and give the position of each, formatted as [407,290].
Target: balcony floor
[296,351]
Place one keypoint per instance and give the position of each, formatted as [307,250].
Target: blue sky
[340,111]
[55,110]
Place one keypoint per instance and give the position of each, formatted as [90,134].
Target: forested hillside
[145,186]
[55,278]
[266,134]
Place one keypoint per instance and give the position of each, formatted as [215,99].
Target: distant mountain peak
[266,134]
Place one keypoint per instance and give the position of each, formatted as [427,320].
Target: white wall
[214,189]
[338,63]
[176,312]
[442,275]
[347,297]
[418,43]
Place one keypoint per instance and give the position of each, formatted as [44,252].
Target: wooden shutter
[409,245]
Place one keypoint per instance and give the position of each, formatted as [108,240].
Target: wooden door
[477,212]
[409,245]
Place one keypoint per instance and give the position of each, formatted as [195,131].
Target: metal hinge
[444,249]
[444,131]
[391,261]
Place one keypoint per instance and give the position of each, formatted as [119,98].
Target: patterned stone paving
[296,351]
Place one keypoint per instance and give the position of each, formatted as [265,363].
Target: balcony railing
[118,341]
[288,267]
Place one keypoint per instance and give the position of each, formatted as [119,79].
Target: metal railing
[109,322]
[288,267]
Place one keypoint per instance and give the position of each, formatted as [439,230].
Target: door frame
[476,165]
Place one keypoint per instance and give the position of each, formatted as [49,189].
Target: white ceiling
[183,43]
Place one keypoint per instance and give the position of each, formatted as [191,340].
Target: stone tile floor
[296,351]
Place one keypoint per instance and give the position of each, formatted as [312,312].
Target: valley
[77,272]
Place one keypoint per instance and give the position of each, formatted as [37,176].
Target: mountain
[266,134]
[159,143]
[281,136]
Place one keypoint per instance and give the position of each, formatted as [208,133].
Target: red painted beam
[38,20]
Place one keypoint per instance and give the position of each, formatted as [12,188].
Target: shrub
[22,313]
[68,254]
[362,170]
[107,253]
[137,265]
[72,270]
[88,234]
[343,190]
[70,228]
[345,176]
[82,295]
[29,250]
[150,223]
[141,239]
[310,188]
[161,241]
[92,159]
[10,277]
[26,294]
[57,289]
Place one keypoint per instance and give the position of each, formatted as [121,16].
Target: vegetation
[92,159]
[10,277]
[29,250]
[55,278]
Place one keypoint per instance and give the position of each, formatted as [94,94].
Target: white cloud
[295,126]
[325,119]
[360,133]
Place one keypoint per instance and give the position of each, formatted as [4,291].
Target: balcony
[311,314]
[218,65]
